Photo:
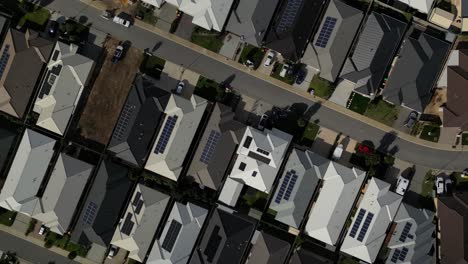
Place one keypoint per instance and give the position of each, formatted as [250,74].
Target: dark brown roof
[456,112]
[453,217]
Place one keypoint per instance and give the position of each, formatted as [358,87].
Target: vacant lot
[109,93]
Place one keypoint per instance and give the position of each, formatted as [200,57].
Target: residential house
[296,187]
[4,23]
[420,59]
[375,213]
[179,235]
[27,173]
[225,240]
[303,256]
[139,223]
[216,148]
[268,249]
[340,189]
[21,53]
[452,212]
[423,6]
[463,15]
[251,19]
[442,18]
[181,121]
[7,140]
[378,42]
[413,236]
[327,51]
[293,26]
[258,160]
[60,91]
[138,121]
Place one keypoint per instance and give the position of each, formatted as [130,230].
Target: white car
[439,185]
[337,152]
[285,70]
[122,20]
[269,59]
[42,230]
[106,14]
[112,251]
[402,185]
[464,174]
[180,87]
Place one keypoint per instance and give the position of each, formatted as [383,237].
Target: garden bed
[430,133]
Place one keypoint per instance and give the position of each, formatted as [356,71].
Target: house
[419,61]
[216,148]
[293,26]
[138,225]
[179,234]
[56,207]
[21,53]
[208,14]
[180,124]
[463,12]
[66,76]
[251,19]
[296,188]
[441,18]
[100,212]
[225,240]
[27,173]
[412,236]
[7,140]
[341,186]
[452,212]
[138,121]
[379,40]
[268,249]
[327,51]
[258,160]
[303,256]
[423,6]
[375,213]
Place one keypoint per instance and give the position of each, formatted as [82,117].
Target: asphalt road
[257,88]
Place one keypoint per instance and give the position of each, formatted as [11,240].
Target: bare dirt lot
[108,93]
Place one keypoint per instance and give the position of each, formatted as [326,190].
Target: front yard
[430,133]
[209,89]
[310,133]
[465,139]
[153,66]
[7,217]
[38,15]
[253,54]
[209,40]
[382,111]
[359,103]
[428,185]
[288,78]
[322,88]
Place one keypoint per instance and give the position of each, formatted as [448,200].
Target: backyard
[253,54]
[209,40]
[430,133]
[382,111]
[359,103]
[322,88]
[288,78]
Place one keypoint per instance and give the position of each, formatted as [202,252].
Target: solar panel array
[325,32]
[124,119]
[171,235]
[289,15]
[4,59]
[136,199]
[128,225]
[166,134]
[138,207]
[90,213]
[357,223]
[213,244]
[399,254]
[264,152]
[287,186]
[405,232]
[290,187]
[210,146]
[365,226]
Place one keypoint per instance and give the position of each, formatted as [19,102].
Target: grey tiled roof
[268,249]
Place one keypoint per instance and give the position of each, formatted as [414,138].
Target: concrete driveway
[309,75]
[173,73]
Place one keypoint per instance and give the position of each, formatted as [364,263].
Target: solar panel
[283,186]
[171,235]
[127,225]
[405,232]
[325,32]
[365,226]
[139,206]
[4,59]
[396,255]
[357,223]
[210,146]
[289,15]
[136,199]
[90,213]
[123,122]
[247,142]
[290,186]
[403,253]
[166,134]
[55,56]
[57,69]
[264,152]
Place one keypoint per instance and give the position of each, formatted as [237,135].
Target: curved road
[257,88]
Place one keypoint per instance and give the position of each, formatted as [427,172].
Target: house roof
[442,18]
[226,238]
[378,42]
[231,191]
[303,256]
[464,8]
[259,157]
[375,213]
[138,225]
[66,75]
[251,19]
[340,188]
[455,112]
[216,147]
[413,233]
[173,141]
[32,158]
[328,50]
[453,214]
[7,138]
[100,213]
[138,121]
[293,26]
[268,249]
[56,207]
[28,53]
[291,211]
[187,220]
[412,78]
[423,6]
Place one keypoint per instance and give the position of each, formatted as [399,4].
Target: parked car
[262,122]
[112,251]
[123,19]
[337,152]
[300,77]
[285,70]
[106,14]
[250,64]
[270,58]
[42,230]
[439,185]
[464,174]
[411,120]
[402,185]
[448,186]
[53,28]
[180,87]
[117,54]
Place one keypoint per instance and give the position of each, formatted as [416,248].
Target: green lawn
[322,88]
[359,103]
[382,111]
[73,31]
[250,52]
[7,217]
[209,40]
[427,185]
[465,138]
[148,14]
[289,79]
[152,65]
[430,133]
[39,16]
[310,132]
[209,89]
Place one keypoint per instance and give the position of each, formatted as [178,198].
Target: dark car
[300,77]
[117,54]
[53,28]
[411,120]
